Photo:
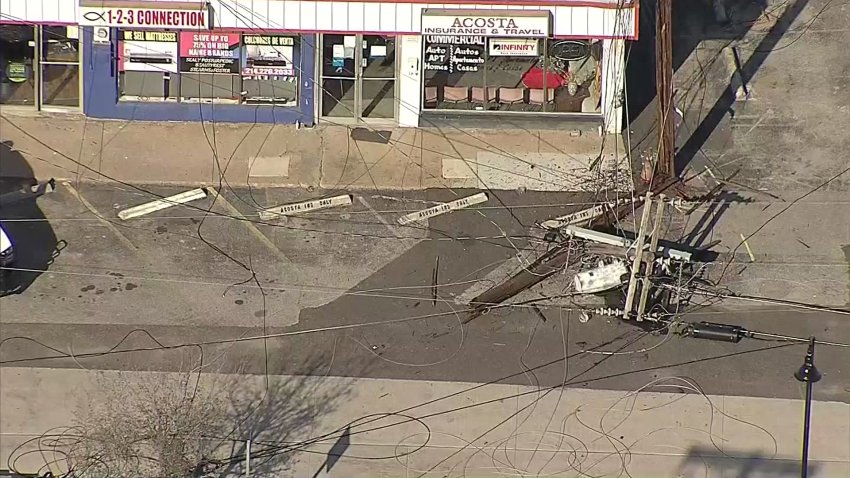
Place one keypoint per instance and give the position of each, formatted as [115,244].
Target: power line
[219,214]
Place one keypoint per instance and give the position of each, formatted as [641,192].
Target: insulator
[720,332]
[608,312]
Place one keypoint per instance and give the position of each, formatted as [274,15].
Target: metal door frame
[357,114]
[39,38]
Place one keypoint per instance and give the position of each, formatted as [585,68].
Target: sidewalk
[326,156]
[593,432]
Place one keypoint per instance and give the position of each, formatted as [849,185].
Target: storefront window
[60,66]
[268,70]
[147,65]
[454,65]
[208,66]
[579,63]
[17,77]
[511,74]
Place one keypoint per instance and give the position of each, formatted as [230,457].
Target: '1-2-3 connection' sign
[105,14]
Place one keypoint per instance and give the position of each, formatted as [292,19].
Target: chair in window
[455,94]
[430,96]
[478,94]
[536,96]
[590,105]
[511,96]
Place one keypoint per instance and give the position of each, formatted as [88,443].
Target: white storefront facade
[405,63]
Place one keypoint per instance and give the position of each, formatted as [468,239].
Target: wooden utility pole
[665,166]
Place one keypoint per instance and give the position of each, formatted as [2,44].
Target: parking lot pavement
[203,263]
[351,290]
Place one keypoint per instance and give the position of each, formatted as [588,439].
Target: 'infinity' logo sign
[94,16]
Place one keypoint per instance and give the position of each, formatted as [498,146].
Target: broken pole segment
[555,259]
[546,265]
[618,241]
[164,203]
[306,206]
[443,208]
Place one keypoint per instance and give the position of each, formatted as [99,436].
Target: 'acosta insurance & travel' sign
[166,15]
[462,23]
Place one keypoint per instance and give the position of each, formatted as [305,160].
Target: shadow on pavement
[278,417]
[335,453]
[705,461]
[747,70]
[695,22]
[704,227]
[186,423]
[31,234]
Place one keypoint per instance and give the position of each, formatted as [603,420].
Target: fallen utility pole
[643,266]
[619,243]
[546,265]
[554,260]
[635,278]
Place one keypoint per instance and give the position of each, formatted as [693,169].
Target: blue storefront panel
[104,63]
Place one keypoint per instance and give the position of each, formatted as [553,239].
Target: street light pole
[808,374]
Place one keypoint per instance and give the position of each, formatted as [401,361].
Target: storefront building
[382,62]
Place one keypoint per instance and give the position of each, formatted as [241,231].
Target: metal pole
[664,87]
[804,473]
[248,458]
[808,374]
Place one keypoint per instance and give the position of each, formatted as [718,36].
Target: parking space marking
[255,231]
[368,206]
[101,218]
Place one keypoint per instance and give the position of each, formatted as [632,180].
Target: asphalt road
[349,292]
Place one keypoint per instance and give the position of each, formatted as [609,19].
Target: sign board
[513,47]
[204,52]
[17,72]
[268,55]
[453,53]
[122,14]
[570,50]
[446,22]
[306,206]
[145,50]
[444,208]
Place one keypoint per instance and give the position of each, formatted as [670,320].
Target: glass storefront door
[377,91]
[60,66]
[17,57]
[358,77]
[40,66]
[339,76]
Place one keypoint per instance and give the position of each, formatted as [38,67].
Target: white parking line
[380,218]
[255,231]
[100,217]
